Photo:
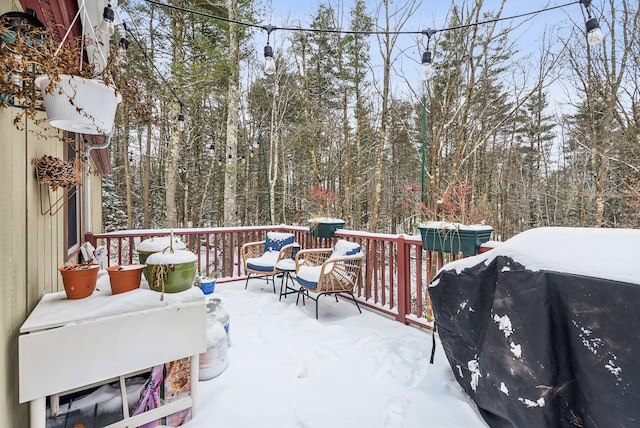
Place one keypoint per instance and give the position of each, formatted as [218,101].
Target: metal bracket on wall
[53,206]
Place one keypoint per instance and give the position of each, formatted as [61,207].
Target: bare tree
[395,16]
[231,179]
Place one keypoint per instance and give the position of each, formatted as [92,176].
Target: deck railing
[394,279]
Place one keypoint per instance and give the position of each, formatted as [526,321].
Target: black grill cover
[541,348]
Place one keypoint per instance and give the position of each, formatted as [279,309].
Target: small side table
[287,267]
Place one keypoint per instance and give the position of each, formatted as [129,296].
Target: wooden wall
[32,245]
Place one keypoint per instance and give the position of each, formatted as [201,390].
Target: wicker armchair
[260,258]
[329,271]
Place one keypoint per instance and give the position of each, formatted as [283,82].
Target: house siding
[33,245]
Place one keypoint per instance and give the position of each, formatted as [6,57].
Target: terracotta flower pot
[79,280]
[124,278]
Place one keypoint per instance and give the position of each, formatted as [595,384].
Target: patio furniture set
[317,271]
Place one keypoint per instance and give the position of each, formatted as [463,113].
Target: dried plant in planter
[56,172]
[27,51]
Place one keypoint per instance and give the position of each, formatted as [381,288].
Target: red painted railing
[394,279]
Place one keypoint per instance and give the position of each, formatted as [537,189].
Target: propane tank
[219,312]
[216,358]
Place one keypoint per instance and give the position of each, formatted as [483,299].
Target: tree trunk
[146,177]
[172,170]
[127,173]
[231,174]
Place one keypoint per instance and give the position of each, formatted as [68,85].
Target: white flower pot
[81,105]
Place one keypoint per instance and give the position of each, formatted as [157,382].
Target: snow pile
[168,258]
[596,252]
[160,243]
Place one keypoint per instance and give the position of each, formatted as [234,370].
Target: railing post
[404,285]
[88,237]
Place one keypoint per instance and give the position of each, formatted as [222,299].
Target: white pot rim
[43,80]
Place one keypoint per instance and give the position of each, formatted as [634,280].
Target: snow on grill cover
[544,330]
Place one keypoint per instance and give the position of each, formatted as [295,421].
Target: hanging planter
[454,238]
[56,172]
[72,78]
[78,104]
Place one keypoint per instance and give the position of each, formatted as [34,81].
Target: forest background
[522,124]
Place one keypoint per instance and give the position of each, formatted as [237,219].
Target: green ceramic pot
[171,272]
[157,244]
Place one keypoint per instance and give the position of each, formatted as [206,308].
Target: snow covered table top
[55,309]
[286,265]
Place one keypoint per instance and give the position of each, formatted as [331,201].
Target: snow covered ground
[346,369]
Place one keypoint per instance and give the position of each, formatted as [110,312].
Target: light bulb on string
[269,62]
[595,36]
[16,75]
[181,119]
[181,122]
[427,57]
[108,15]
[123,46]
[427,65]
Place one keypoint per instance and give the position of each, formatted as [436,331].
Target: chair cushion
[264,263]
[309,276]
[344,248]
[276,240]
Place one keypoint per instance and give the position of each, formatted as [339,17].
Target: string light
[594,32]
[167,84]
[181,119]
[362,32]
[595,36]
[123,46]
[269,62]
[108,15]
[427,59]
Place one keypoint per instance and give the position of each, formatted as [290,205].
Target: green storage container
[453,240]
[325,229]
